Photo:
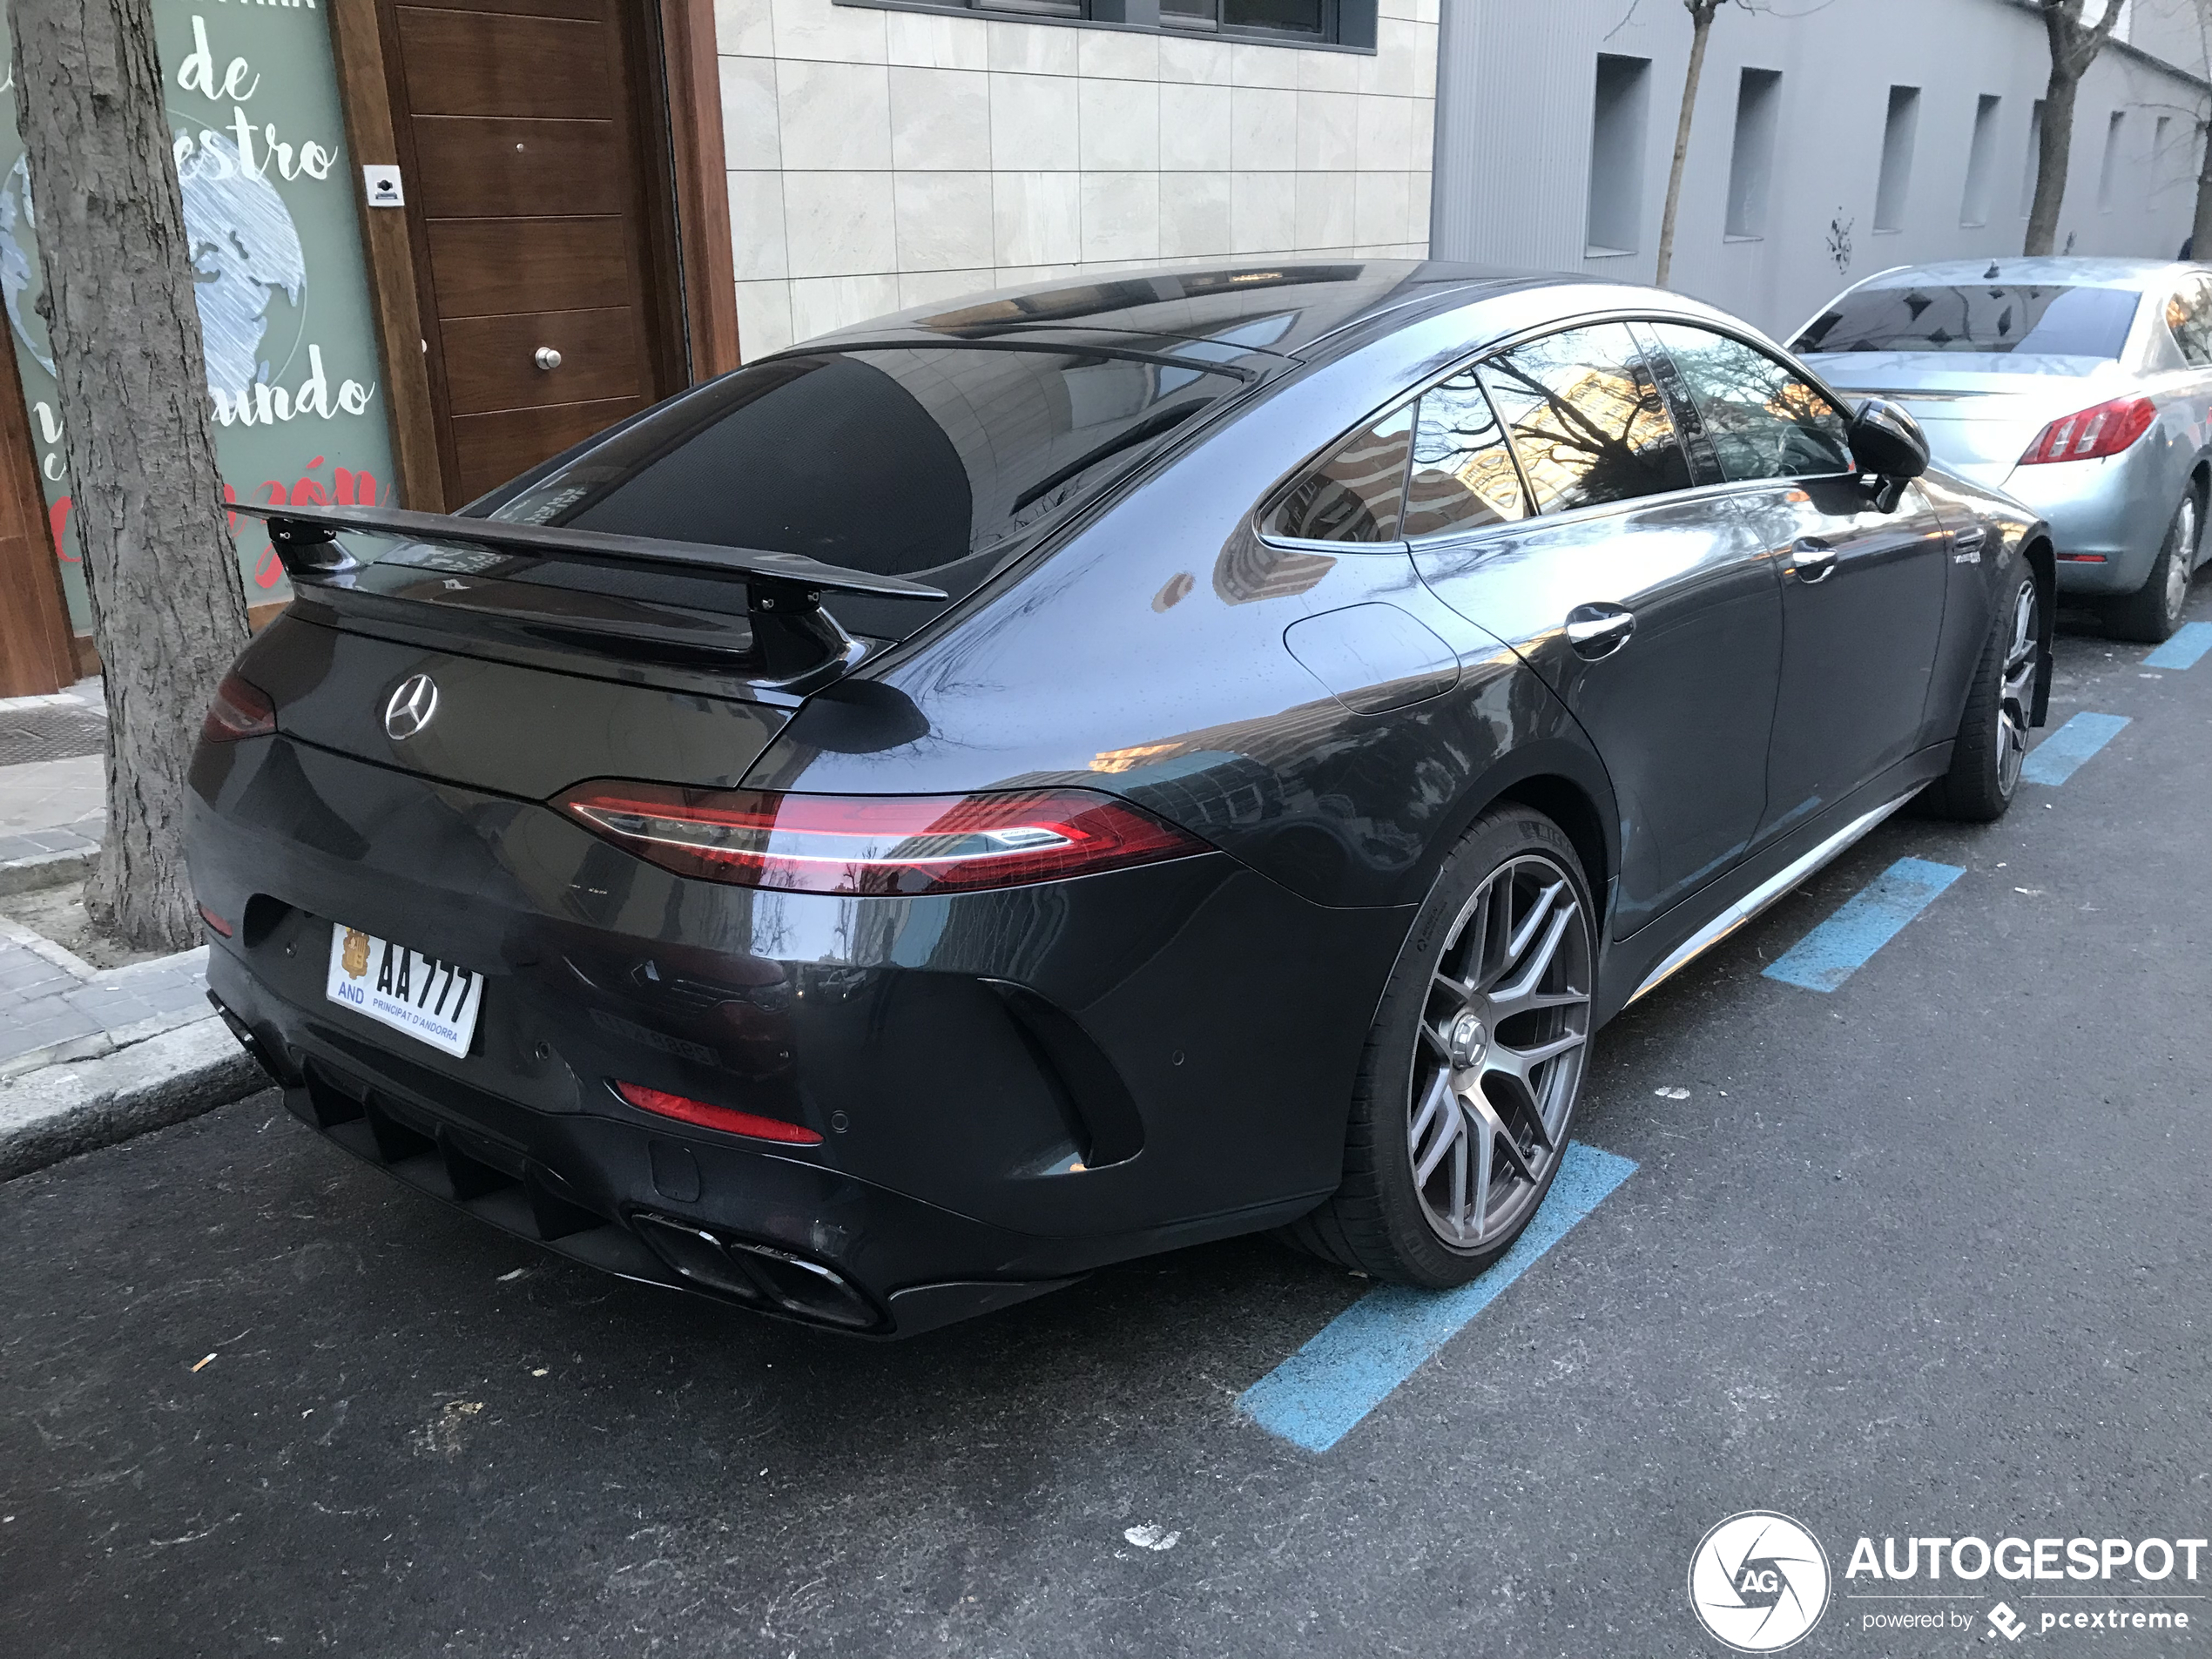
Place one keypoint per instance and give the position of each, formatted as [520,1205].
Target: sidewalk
[88,1055]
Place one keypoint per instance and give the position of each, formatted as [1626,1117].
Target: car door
[1550,503]
[1862,585]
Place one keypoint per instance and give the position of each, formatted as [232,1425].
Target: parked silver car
[2082,386]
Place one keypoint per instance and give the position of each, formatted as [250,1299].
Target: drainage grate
[53,733]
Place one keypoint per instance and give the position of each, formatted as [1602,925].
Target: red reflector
[2104,430]
[876,844]
[239,711]
[684,1109]
[2081,558]
[214,921]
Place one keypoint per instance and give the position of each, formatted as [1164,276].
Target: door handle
[1599,630]
[547,358]
[1811,559]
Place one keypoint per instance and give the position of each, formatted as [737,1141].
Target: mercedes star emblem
[411,708]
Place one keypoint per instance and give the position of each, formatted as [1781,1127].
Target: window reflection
[1463,476]
[1586,419]
[1764,422]
[1357,494]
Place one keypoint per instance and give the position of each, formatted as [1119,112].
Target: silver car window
[2188,314]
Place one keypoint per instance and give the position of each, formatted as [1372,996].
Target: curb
[61,1110]
[45,870]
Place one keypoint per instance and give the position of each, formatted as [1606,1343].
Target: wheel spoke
[1512,998]
[1490,1129]
[1435,1130]
[1534,920]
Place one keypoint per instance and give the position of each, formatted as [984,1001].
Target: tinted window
[2188,314]
[1463,475]
[931,462]
[2039,321]
[1586,418]
[1764,422]
[1357,494]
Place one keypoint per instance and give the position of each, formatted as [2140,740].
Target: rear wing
[791,633]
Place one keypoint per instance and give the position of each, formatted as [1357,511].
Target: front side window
[2188,314]
[1764,422]
[2044,320]
[1587,418]
[1357,494]
[1463,476]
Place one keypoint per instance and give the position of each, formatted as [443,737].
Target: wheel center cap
[1467,1040]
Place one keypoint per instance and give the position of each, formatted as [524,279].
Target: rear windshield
[934,462]
[2037,322]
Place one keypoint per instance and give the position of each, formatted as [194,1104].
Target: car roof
[1269,309]
[2050,271]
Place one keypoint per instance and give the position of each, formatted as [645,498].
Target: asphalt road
[1926,1255]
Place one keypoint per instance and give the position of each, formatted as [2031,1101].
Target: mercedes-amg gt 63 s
[997,792]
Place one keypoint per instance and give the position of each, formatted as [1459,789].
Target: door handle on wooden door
[1599,630]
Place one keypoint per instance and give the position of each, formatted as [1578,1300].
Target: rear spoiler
[783,591]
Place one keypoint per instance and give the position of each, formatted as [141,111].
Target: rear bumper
[2108,518]
[1012,1088]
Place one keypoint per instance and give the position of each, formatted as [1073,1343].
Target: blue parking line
[1835,950]
[2190,641]
[1317,1396]
[2060,755]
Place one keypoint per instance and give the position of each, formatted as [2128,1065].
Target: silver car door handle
[1811,559]
[1599,630]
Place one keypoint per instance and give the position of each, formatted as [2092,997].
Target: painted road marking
[1828,955]
[2060,755]
[2190,641]
[1317,1396]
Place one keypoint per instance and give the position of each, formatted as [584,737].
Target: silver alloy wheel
[2182,564]
[2017,696]
[1499,1060]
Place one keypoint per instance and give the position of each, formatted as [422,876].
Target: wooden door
[532,141]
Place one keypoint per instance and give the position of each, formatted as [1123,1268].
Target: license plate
[430,1001]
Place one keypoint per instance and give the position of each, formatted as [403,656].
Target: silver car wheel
[1499,1060]
[2180,563]
[2016,697]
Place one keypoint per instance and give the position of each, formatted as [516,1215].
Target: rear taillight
[239,711]
[899,845]
[684,1109]
[2105,430]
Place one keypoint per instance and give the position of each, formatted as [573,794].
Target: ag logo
[1758,1582]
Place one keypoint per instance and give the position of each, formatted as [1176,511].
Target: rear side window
[1463,477]
[1357,494]
[2042,321]
[933,462]
[2188,314]
[1586,419]
[1764,421]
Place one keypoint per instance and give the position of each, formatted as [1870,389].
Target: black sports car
[998,791]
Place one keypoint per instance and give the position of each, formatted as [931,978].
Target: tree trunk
[2053,154]
[1700,25]
[2200,231]
[168,613]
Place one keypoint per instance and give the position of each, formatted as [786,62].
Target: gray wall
[1516,96]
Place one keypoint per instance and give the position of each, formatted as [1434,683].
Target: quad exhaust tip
[757,1275]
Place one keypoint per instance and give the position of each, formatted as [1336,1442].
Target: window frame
[1347,25]
[1703,481]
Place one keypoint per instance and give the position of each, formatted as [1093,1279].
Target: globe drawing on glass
[244,252]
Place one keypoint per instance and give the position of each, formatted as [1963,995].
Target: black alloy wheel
[2153,610]
[1992,746]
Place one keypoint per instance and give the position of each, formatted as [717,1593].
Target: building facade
[1828,143]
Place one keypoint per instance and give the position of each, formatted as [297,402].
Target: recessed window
[1336,22]
[2160,165]
[1981,163]
[2034,170]
[1895,185]
[1758,96]
[2108,174]
[1617,122]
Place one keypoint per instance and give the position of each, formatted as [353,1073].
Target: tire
[1992,732]
[1464,1014]
[2153,610]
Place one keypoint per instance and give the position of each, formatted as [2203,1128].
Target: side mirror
[1887,440]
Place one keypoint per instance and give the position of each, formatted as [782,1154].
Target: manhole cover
[50,734]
